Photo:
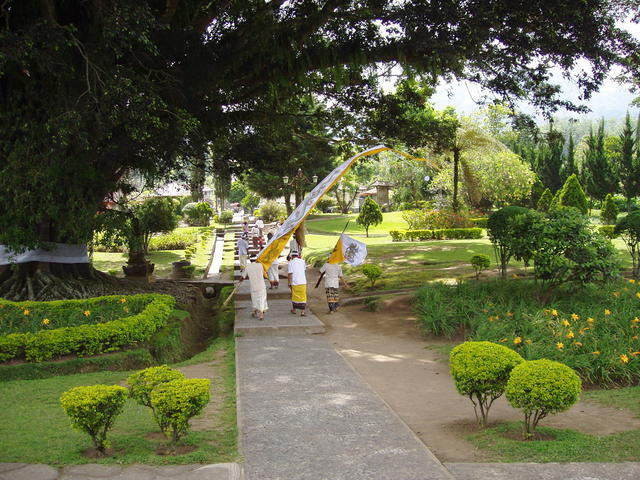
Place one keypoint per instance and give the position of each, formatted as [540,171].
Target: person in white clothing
[255,234]
[298,283]
[332,277]
[272,273]
[260,225]
[243,251]
[255,272]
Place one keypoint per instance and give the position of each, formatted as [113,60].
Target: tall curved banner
[279,240]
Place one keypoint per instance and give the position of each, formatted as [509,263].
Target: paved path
[304,414]
[22,471]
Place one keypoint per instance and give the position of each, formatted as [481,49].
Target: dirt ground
[387,350]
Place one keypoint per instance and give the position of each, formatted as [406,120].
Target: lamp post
[298,183]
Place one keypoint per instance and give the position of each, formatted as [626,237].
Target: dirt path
[386,348]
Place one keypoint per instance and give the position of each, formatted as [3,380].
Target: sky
[611,101]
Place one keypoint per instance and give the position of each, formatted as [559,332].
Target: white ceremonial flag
[348,250]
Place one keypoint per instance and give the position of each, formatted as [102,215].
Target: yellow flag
[279,241]
[337,256]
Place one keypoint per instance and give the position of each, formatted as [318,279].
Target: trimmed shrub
[544,202]
[480,371]
[434,219]
[93,409]
[372,272]
[271,211]
[572,195]
[173,241]
[479,222]
[629,229]
[609,212]
[121,361]
[177,401]
[197,214]
[542,387]
[142,383]
[480,263]
[90,339]
[226,217]
[370,215]
[397,235]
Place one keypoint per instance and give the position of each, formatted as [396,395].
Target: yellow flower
[559,345]
[26,312]
[584,329]
[575,316]
[554,312]
[635,354]
[514,276]
[517,340]
[636,320]
[638,294]
[624,358]
[607,311]
[570,334]
[577,344]
[590,320]
[625,289]
[635,337]
[123,300]
[546,310]
[45,321]
[502,340]
[87,313]
[528,341]
[126,309]
[597,352]
[565,323]
[631,280]
[616,294]
[509,314]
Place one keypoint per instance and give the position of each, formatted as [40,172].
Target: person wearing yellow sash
[298,283]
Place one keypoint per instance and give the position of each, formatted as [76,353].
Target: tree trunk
[456,165]
[48,281]
[287,202]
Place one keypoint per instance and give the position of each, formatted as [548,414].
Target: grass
[502,442]
[40,432]
[332,224]
[105,261]
[567,446]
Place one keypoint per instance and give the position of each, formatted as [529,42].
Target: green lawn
[105,261]
[568,445]
[333,224]
[35,429]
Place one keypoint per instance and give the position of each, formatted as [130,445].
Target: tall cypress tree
[569,165]
[599,174]
[629,162]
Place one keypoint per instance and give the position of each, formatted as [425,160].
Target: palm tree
[469,136]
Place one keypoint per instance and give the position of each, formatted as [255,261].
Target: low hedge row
[479,222]
[440,234]
[119,361]
[89,339]
[32,317]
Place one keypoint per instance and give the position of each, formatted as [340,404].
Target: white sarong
[259,300]
[273,273]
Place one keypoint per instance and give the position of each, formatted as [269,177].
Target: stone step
[278,320]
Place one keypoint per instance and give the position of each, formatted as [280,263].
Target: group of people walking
[296,276]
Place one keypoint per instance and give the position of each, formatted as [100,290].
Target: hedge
[32,317]
[608,231]
[480,222]
[439,234]
[120,361]
[90,339]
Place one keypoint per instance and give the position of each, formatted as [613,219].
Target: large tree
[92,90]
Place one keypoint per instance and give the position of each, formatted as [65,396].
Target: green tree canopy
[370,214]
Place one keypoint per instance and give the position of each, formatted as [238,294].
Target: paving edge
[429,453]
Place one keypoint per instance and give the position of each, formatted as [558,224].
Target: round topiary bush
[479,263]
[480,371]
[177,401]
[142,383]
[93,409]
[541,387]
